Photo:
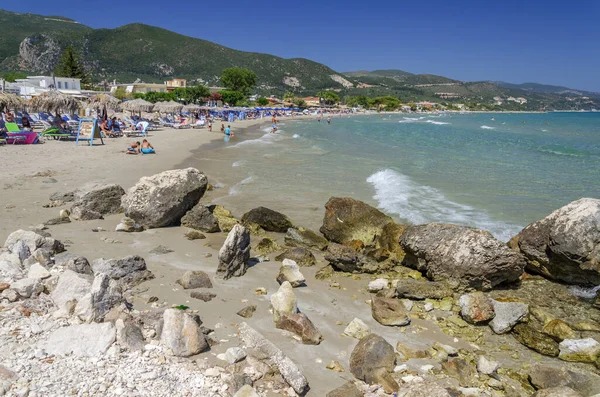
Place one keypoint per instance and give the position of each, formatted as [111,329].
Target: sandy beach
[31,173]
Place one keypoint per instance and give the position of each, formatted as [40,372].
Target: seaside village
[148,288]
[37,108]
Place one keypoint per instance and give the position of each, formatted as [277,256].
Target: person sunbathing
[147,147]
[106,129]
[134,148]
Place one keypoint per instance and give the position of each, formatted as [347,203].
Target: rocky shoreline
[412,310]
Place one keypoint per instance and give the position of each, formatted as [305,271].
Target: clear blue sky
[550,41]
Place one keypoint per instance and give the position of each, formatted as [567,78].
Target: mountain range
[33,44]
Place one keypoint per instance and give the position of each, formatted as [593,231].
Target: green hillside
[33,43]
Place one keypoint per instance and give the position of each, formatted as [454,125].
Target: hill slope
[34,44]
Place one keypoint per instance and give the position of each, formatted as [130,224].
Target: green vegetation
[192,94]
[232,98]
[239,79]
[329,97]
[262,101]
[11,77]
[70,65]
[300,103]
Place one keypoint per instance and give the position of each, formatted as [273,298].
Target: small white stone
[485,366]
[377,285]
[428,307]
[401,368]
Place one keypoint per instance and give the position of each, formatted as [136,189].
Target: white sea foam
[544,130]
[436,122]
[398,194]
[266,139]
[238,163]
[235,189]
[295,136]
[411,119]
[583,292]
[487,127]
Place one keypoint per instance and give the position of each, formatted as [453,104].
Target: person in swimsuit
[210,125]
[222,128]
[147,147]
[328,119]
[134,148]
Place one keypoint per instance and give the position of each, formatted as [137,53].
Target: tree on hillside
[239,79]
[232,98]
[355,101]
[193,94]
[262,101]
[300,103]
[70,65]
[288,97]
[329,97]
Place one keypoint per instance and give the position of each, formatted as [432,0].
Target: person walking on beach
[222,128]
[209,125]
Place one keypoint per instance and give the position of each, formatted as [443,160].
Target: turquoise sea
[498,172]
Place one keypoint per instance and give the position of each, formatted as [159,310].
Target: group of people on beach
[141,148]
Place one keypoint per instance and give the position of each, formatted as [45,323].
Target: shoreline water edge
[133,275]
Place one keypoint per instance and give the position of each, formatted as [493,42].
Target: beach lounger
[141,129]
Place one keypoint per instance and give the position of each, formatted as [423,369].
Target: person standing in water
[328,119]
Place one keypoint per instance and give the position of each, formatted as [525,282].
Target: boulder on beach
[129,271]
[389,311]
[300,324]
[507,315]
[389,240]
[81,340]
[235,253]
[200,218]
[372,361]
[287,368]
[347,219]
[163,199]
[346,259]
[535,340]
[195,279]
[33,240]
[268,219]
[422,289]
[476,308]
[579,350]
[357,329]
[102,198]
[561,391]
[565,245]
[471,257]
[290,272]
[224,217]
[348,389]
[267,246]
[302,256]
[306,238]
[284,301]
[544,377]
[181,332]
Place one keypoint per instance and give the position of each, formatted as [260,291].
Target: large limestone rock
[200,218]
[535,340]
[389,240]
[129,335]
[389,311]
[290,271]
[357,329]
[346,259]
[422,289]
[429,389]
[195,279]
[565,245]
[559,330]
[561,391]
[348,389]
[162,199]
[306,238]
[105,294]
[27,287]
[70,290]
[372,361]
[275,357]
[33,241]
[545,377]
[235,253]
[130,270]
[224,217]
[81,340]
[347,219]
[579,350]
[508,314]
[300,324]
[246,391]
[302,256]
[269,220]
[102,198]
[284,301]
[10,266]
[473,258]
[182,333]
[476,308]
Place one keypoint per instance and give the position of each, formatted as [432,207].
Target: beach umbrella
[192,108]
[54,101]
[168,107]
[100,100]
[10,101]
[137,105]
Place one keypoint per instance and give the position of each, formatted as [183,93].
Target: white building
[35,85]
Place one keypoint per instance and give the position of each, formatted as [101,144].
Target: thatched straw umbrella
[137,105]
[192,108]
[167,107]
[54,101]
[100,100]
[11,101]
